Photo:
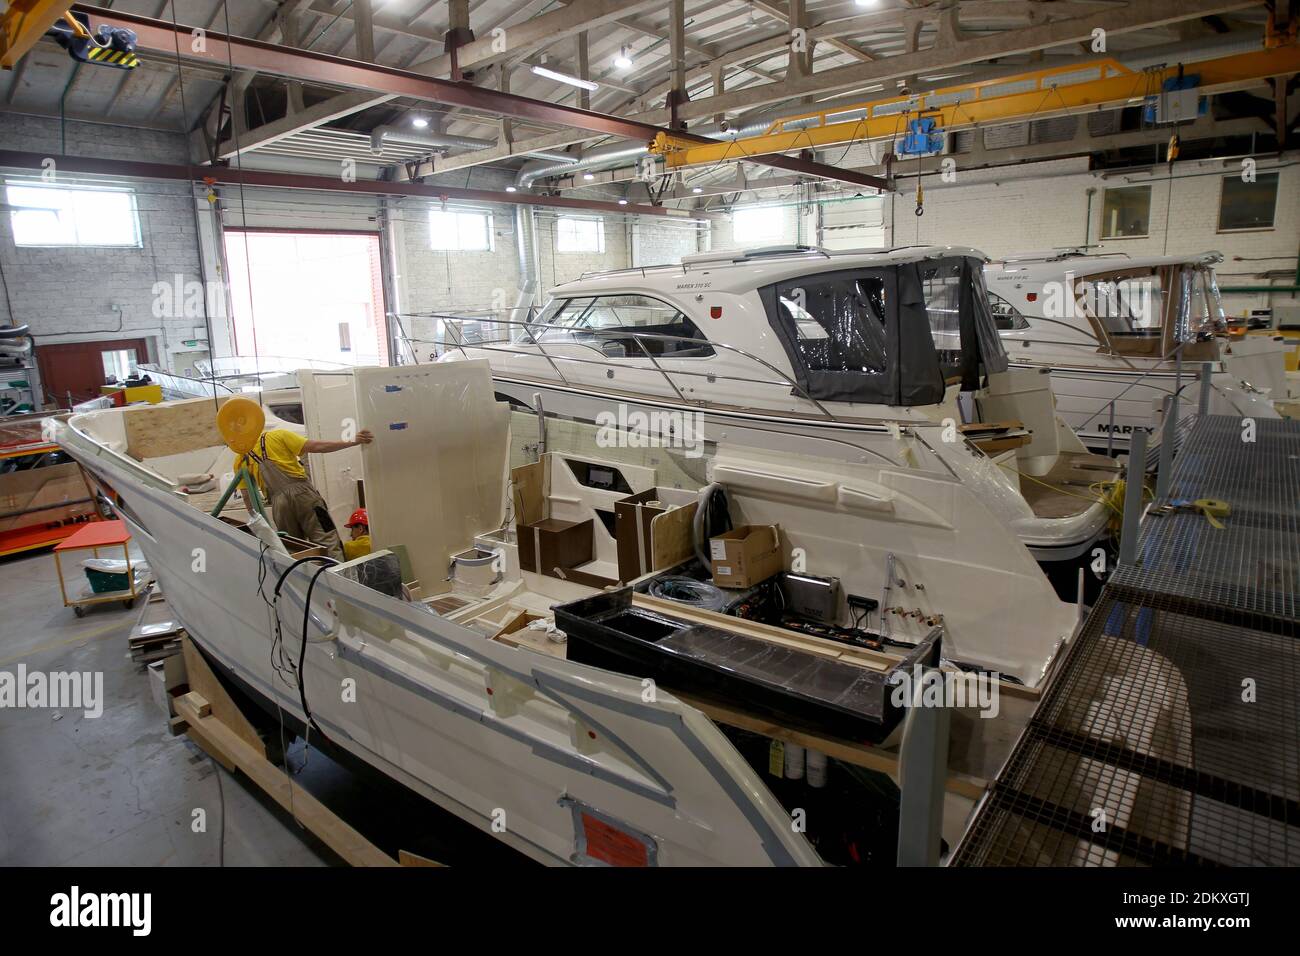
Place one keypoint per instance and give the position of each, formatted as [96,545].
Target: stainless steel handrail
[530,327]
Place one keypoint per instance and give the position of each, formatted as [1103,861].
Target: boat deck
[1068,489]
[1175,718]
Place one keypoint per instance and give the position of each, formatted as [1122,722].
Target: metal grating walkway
[1171,734]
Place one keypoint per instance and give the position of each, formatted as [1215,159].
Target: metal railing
[907,428]
[532,338]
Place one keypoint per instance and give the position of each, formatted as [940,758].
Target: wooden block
[407,858]
[232,752]
[205,683]
[196,703]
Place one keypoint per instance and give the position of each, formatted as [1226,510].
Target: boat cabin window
[626,325]
[839,322]
[1006,316]
[942,284]
[889,334]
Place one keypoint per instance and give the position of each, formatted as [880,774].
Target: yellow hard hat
[240,422]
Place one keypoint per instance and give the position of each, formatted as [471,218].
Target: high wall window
[579,235]
[758,226]
[1126,213]
[44,215]
[1248,205]
[459,230]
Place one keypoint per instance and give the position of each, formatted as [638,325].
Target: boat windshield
[1177,303]
[620,325]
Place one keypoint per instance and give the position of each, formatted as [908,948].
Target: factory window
[579,235]
[750,227]
[1247,205]
[1126,213]
[72,216]
[460,231]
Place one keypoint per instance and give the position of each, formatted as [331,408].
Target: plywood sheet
[41,487]
[435,473]
[329,403]
[672,536]
[155,431]
[529,489]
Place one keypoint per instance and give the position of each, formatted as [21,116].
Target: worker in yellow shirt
[296,507]
[359,526]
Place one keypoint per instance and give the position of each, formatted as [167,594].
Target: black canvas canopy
[889,335]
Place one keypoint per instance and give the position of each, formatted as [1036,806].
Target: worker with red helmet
[359,526]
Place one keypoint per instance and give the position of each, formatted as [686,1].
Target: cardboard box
[746,556]
[553,543]
[653,530]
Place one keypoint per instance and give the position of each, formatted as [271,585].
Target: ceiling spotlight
[623,61]
[697,189]
[511,189]
[566,78]
[622,202]
[419,122]
[866,3]
[589,176]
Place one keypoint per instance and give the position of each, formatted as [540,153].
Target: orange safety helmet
[358,517]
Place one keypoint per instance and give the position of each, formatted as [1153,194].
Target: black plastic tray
[793,686]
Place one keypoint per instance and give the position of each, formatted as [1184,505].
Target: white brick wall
[67,294]
[656,243]
[1042,206]
[430,280]
[724,238]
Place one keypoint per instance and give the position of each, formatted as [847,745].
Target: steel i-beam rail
[241,53]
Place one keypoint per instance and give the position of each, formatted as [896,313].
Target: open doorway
[73,372]
[307,295]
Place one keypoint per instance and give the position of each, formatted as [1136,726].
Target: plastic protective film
[435,471]
[811,676]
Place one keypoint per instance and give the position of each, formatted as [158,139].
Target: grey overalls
[297,507]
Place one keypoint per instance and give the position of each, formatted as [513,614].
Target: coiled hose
[712,518]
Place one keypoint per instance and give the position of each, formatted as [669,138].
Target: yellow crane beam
[1097,84]
[23,24]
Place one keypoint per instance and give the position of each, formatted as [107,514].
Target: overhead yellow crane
[23,23]
[1097,84]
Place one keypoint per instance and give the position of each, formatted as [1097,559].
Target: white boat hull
[1084,396]
[519,746]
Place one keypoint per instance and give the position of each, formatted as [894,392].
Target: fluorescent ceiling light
[866,3]
[622,202]
[419,122]
[565,78]
[588,175]
[623,61]
[511,189]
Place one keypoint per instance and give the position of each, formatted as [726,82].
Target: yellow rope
[1109,493]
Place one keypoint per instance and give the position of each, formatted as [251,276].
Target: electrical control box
[808,596]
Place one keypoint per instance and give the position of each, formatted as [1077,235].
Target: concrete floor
[117,789]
